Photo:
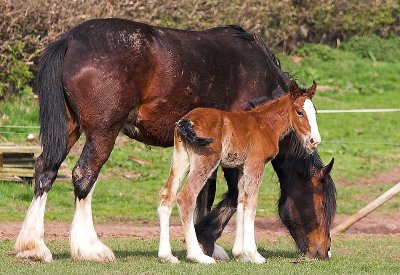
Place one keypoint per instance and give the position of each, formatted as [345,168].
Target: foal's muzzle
[312,144]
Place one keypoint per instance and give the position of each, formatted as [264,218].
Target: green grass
[351,255]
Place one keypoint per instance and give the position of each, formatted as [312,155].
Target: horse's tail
[53,118]
[185,129]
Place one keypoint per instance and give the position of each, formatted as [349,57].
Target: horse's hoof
[39,253]
[201,259]
[169,259]
[253,257]
[219,253]
[97,252]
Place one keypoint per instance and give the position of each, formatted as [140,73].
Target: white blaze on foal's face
[314,138]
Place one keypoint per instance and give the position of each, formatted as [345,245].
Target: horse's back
[118,70]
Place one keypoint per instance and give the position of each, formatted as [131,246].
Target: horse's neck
[275,113]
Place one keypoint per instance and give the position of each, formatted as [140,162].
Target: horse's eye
[299,113]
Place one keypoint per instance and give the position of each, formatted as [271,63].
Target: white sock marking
[164,250]
[194,251]
[237,249]
[30,240]
[83,238]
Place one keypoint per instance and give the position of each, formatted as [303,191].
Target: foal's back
[235,135]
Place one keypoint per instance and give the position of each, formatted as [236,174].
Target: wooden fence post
[367,209]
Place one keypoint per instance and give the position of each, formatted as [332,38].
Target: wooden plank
[26,174]
[367,209]
[20,149]
[14,179]
[20,165]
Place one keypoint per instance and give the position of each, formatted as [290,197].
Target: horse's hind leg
[206,197]
[200,169]
[83,238]
[30,242]
[179,169]
[210,228]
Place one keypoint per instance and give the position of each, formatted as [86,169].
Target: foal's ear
[326,170]
[294,90]
[311,90]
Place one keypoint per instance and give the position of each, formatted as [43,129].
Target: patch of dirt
[392,176]
[373,224]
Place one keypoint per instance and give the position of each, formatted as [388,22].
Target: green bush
[316,51]
[285,24]
[374,47]
[15,71]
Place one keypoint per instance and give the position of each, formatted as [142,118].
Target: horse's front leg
[84,242]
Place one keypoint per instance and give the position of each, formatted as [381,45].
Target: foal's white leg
[179,168]
[164,250]
[249,242]
[83,238]
[187,202]
[30,243]
[237,249]
[194,251]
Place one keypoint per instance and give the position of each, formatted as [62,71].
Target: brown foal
[246,140]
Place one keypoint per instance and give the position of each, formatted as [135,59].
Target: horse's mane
[259,43]
[297,164]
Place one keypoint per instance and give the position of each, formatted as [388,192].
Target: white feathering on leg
[30,240]
[83,238]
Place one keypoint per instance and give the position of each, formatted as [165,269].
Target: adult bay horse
[111,75]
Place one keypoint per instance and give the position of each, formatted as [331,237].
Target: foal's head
[302,115]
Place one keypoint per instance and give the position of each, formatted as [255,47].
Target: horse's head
[307,206]
[303,115]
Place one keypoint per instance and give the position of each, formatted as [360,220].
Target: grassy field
[363,145]
[352,255]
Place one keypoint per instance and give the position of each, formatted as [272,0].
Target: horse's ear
[311,91]
[294,90]
[326,170]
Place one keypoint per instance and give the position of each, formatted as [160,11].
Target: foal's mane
[261,100]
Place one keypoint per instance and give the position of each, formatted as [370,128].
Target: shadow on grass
[181,254]
[61,256]
[278,254]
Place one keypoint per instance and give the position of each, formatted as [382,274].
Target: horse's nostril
[312,140]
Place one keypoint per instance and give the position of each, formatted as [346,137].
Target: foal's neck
[276,114]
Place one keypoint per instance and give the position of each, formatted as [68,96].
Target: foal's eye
[299,113]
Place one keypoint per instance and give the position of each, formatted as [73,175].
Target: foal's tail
[185,129]
[53,118]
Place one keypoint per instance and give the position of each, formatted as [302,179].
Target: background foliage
[27,26]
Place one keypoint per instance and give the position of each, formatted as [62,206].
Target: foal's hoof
[252,257]
[39,253]
[169,259]
[201,259]
[219,253]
